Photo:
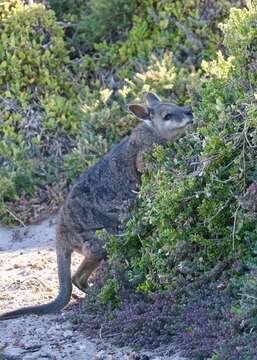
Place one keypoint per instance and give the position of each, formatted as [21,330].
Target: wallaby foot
[79,279]
[94,252]
[81,283]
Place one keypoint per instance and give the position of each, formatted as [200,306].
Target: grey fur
[105,194]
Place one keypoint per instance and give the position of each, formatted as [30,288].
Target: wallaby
[104,195]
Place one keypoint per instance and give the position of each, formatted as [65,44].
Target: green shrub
[94,21]
[39,103]
[65,7]
[248,301]
[187,28]
[104,20]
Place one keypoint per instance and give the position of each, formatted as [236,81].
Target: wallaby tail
[64,274]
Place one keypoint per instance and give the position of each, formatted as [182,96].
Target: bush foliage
[39,104]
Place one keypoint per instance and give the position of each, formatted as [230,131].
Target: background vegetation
[66,75]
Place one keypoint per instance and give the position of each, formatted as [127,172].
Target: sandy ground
[28,276]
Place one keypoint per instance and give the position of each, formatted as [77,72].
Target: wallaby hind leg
[94,252]
[82,274]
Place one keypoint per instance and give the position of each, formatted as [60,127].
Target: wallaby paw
[81,286]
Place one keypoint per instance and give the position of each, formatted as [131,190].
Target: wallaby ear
[140,111]
[152,98]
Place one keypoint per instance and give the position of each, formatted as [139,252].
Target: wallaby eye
[168,117]
[188,112]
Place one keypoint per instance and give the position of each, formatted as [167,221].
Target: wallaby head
[168,119]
